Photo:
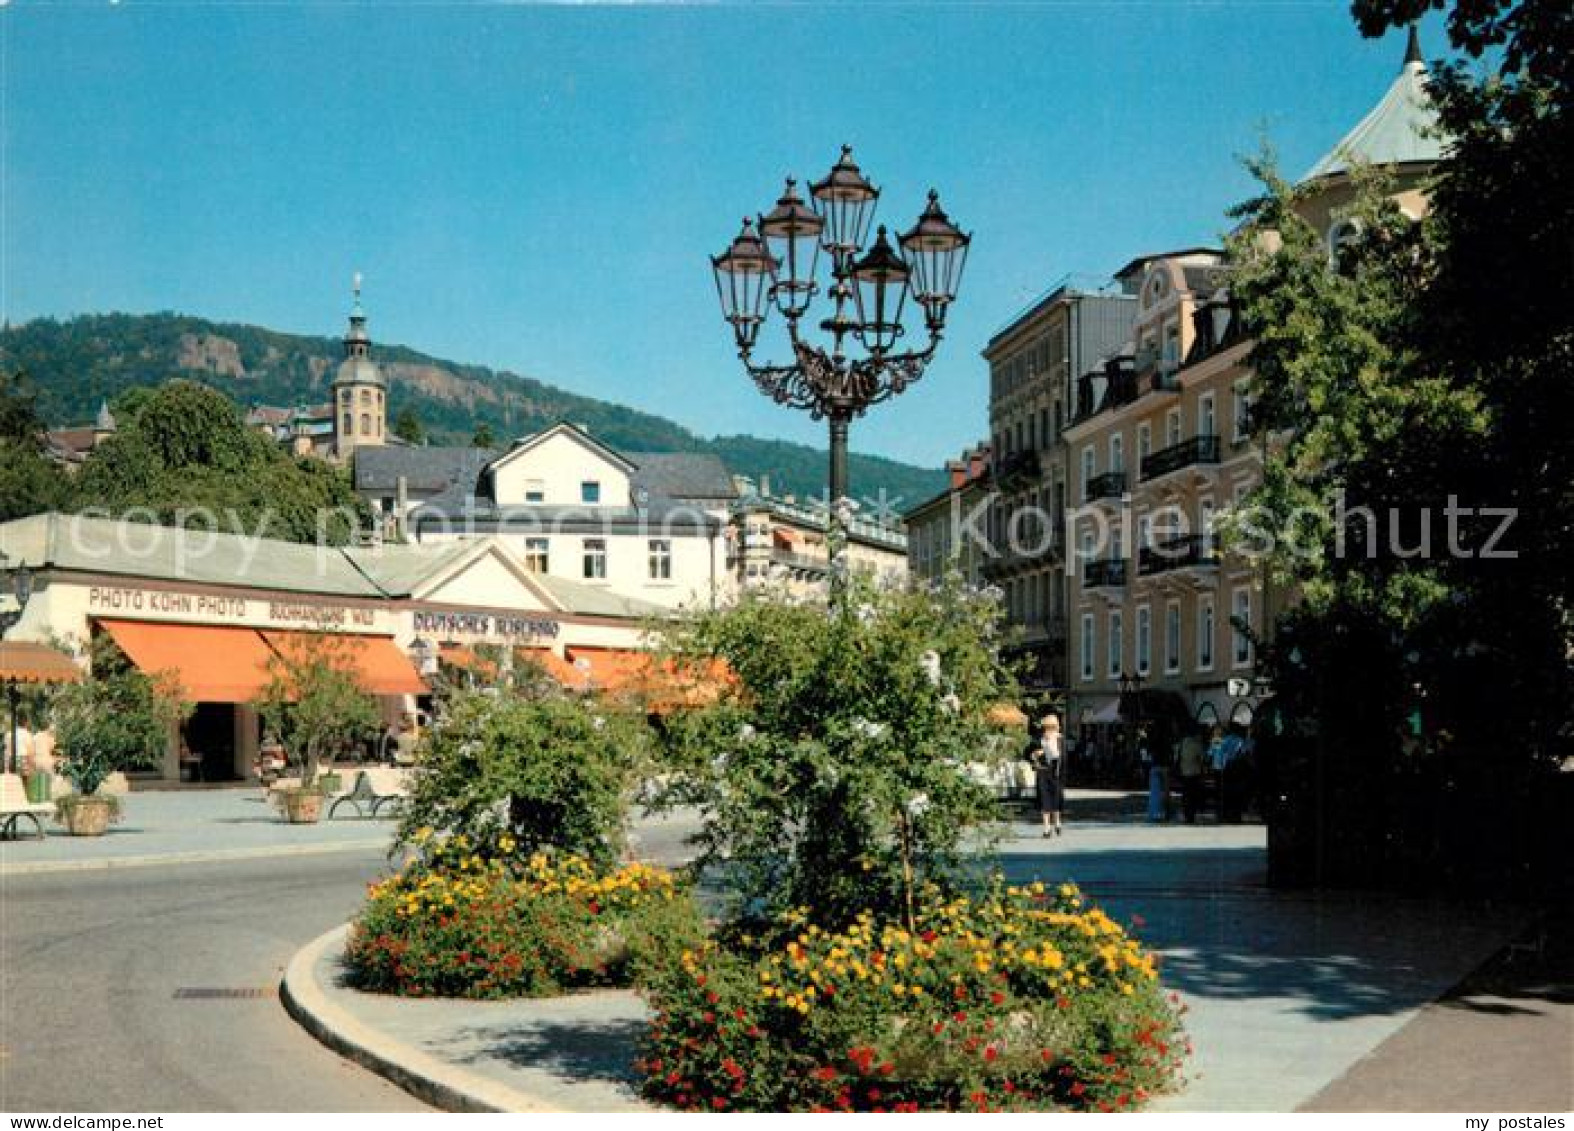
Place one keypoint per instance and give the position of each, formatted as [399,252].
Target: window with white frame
[538,554]
[590,491]
[660,559]
[1087,468]
[1117,452]
[1086,644]
[1240,409]
[535,491]
[1172,636]
[1242,613]
[595,564]
[1205,517]
[1144,640]
[1144,443]
[1117,637]
[1206,422]
[1205,632]
[1172,428]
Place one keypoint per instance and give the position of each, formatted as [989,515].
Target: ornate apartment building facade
[1162,443]
[1032,363]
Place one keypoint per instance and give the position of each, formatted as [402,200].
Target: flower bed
[1022,999]
[459,924]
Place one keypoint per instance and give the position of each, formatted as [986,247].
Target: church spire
[1413,51]
[356,341]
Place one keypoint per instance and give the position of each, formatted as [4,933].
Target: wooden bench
[14,805]
[373,789]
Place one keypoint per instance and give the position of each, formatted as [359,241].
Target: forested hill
[81,361]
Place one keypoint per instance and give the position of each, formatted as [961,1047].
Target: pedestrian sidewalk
[1285,991]
[187,826]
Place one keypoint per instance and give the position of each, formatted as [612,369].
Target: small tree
[313,702]
[408,426]
[552,772]
[484,437]
[115,719]
[833,775]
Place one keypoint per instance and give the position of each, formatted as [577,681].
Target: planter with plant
[313,705]
[115,720]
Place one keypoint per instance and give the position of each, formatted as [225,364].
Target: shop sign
[224,608]
[505,628]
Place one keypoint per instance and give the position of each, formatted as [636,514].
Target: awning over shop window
[658,685]
[213,664]
[220,664]
[384,670]
[459,656]
[1102,711]
[24,662]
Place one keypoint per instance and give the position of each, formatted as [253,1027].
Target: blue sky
[537,187]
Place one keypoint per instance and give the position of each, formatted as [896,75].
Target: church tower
[360,394]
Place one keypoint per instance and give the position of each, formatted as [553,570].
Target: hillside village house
[210,609]
[1162,443]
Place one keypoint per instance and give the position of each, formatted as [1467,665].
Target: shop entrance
[209,753]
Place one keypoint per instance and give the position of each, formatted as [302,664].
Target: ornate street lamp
[773,263]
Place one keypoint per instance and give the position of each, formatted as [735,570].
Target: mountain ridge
[79,361]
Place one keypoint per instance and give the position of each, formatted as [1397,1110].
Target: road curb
[425,1077]
[212,856]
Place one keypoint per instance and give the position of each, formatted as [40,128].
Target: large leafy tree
[186,456]
[30,482]
[1423,682]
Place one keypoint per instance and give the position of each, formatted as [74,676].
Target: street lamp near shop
[773,262]
[18,581]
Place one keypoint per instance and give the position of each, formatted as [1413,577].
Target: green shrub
[1020,999]
[552,773]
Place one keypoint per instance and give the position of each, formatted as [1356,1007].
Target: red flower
[991,1053]
[1078,1088]
[1108,1058]
[710,997]
[732,1068]
[997,998]
[825,1072]
[719,1102]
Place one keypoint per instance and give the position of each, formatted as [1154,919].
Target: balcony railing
[1197,450]
[1017,468]
[1110,485]
[1189,551]
[1108,573]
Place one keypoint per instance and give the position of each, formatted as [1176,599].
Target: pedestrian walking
[1191,763]
[1049,766]
[1153,757]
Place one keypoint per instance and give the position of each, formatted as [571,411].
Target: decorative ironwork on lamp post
[773,263]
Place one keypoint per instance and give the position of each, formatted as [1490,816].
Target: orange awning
[658,683]
[24,662]
[460,656]
[212,664]
[554,665]
[384,670]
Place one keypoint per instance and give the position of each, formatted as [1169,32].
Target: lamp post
[773,262]
[18,581]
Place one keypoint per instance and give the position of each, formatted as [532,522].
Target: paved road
[91,964]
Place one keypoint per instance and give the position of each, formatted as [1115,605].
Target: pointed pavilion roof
[1402,129]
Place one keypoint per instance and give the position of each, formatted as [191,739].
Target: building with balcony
[1032,363]
[1162,442]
